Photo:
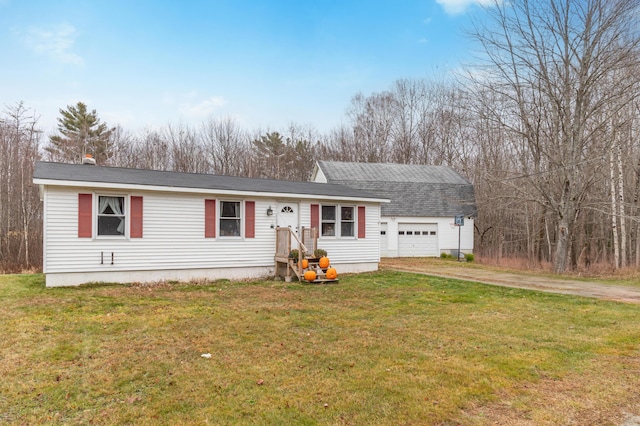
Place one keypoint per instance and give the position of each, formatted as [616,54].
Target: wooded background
[544,123]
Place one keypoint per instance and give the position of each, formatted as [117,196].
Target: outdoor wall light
[269,211]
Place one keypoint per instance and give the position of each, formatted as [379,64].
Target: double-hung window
[111,215]
[328,221]
[338,221]
[230,219]
[347,222]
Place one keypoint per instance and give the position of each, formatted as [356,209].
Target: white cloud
[54,42]
[456,7]
[202,108]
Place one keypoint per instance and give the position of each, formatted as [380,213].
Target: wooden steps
[321,281]
[321,277]
[286,267]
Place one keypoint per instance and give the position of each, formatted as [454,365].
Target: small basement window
[111,215]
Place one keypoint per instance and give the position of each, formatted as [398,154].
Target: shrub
[469,257]
[319,253]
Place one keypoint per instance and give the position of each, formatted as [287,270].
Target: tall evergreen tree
[270,153]
[81,133]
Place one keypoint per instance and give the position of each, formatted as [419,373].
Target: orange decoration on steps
[332,274]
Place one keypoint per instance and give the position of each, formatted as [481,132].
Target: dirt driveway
[512,279]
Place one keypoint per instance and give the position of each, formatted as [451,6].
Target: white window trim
[220,218]
[335,221]
[338,222]
[96,212]
[353,221]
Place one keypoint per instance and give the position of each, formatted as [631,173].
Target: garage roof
[414,190]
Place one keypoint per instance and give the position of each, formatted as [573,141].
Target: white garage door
[417,239]
[384,245]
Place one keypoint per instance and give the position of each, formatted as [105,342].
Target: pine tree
[81,133]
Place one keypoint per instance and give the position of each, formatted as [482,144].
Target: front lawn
[380,348]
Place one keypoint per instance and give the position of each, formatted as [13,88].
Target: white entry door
[287,217]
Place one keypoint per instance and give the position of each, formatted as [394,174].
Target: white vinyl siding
[350,250]
[174,236]
[384,242]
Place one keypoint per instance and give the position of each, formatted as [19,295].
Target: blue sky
[144,64]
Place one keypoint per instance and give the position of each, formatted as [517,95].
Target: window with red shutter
[250,219]
[85,215]
[209,218]
[315,216]
[136,217]
[362,222]
[111,216]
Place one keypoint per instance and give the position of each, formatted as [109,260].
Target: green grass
[381,348]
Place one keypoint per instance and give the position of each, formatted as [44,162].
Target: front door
[287,216]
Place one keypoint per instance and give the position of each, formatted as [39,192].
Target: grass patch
[381,348]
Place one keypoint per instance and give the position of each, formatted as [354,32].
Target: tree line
[544,125]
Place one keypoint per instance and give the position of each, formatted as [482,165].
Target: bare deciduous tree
[20,211]
[553,61]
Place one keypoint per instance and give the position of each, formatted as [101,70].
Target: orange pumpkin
[304,263]
[332,274]
[324,262]
[310,275]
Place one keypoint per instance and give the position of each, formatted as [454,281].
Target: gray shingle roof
[414,190]
[116,175]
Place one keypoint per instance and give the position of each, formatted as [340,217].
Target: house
[107,224]
[420,220]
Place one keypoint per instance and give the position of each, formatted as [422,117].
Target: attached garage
[419,220]
[417,239]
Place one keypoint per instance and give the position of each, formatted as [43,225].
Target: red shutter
[362,222]
[315,216]
[209,218]
[85,207]
[250,219]
[136,217]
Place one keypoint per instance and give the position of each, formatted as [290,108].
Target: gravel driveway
[511,279]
